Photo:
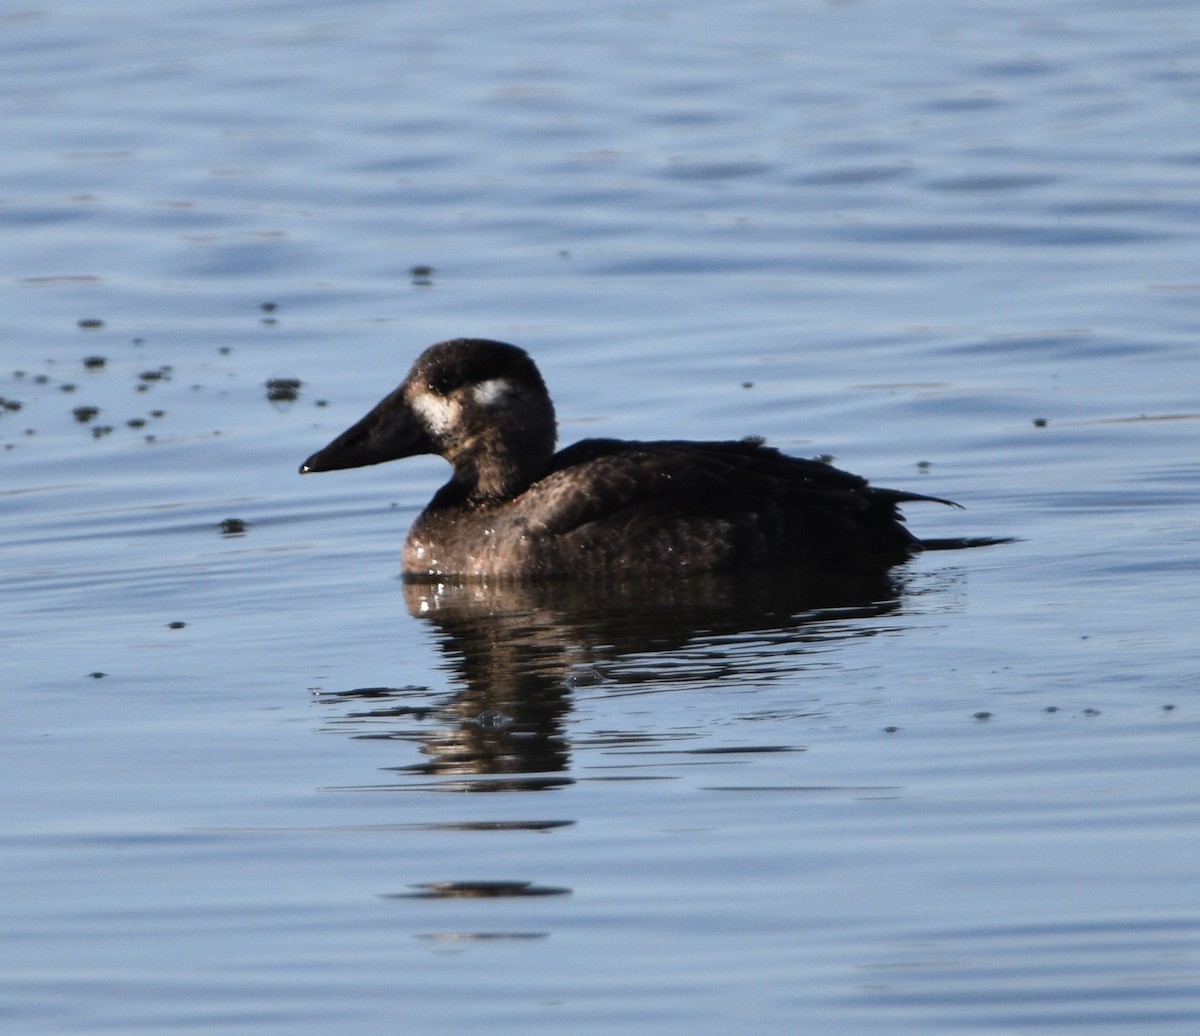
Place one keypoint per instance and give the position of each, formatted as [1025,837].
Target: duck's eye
[442,385]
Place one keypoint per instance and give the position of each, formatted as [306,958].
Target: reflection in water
[519,650]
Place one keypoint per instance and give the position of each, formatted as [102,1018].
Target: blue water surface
[252,783]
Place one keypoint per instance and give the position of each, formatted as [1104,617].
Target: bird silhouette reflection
[519,652]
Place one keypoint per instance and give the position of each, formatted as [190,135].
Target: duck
[514,508]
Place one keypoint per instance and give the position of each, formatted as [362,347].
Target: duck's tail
[962,542]
[900,496]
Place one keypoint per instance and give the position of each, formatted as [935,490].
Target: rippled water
[253,783]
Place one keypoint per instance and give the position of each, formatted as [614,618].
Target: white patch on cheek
[438,415]
[492,391]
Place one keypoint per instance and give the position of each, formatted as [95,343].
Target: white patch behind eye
[437,414]
[492,391]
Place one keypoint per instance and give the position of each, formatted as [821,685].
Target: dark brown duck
[515,508]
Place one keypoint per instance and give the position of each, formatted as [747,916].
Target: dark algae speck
[283,390]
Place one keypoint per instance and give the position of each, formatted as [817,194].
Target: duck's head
[481,405]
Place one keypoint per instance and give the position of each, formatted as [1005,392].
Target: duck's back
[609,506]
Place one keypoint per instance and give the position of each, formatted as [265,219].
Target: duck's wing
[735,497]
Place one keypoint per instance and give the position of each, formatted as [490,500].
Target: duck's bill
[389,432]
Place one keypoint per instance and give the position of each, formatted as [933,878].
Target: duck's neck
[494,467]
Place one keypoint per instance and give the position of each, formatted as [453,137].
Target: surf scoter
[515,508]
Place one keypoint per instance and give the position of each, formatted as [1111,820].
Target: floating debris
[90,323]
[283,390]
[176,625]
[477,890]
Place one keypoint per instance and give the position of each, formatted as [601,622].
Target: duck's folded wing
[632,485]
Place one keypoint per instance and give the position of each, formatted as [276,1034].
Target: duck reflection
[519,651]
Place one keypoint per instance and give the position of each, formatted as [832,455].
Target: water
[254,784]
